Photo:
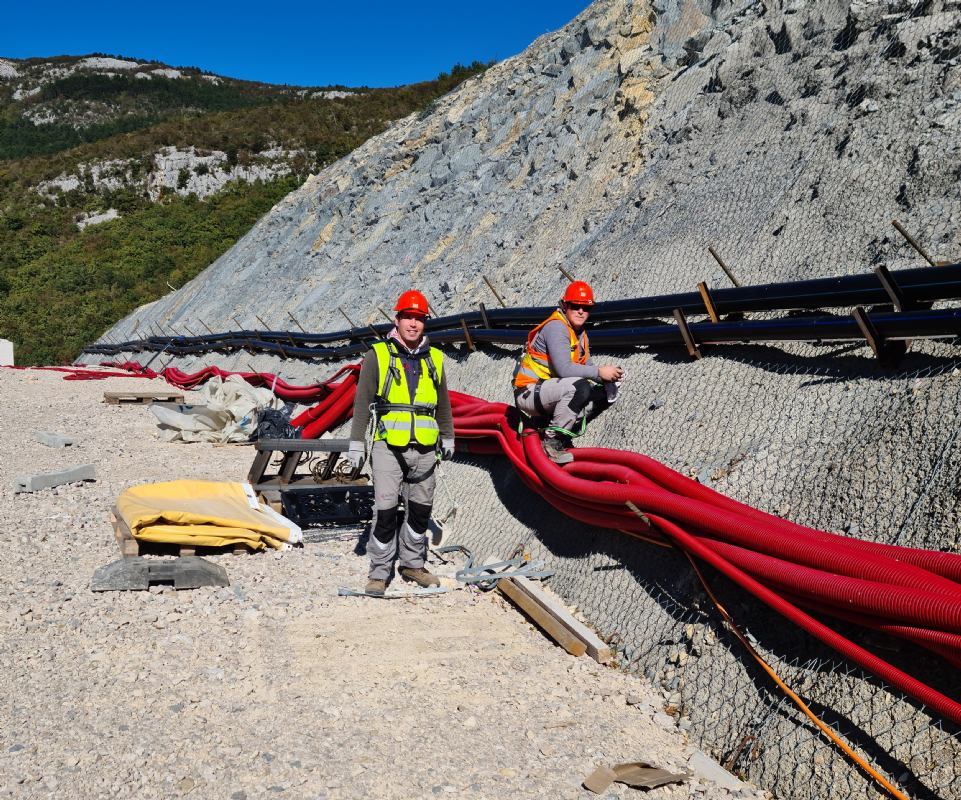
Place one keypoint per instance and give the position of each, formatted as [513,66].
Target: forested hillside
[119,179]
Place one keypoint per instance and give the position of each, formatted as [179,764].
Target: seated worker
[555,377]
[412,431]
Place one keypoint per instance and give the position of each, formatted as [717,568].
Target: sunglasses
[578,307]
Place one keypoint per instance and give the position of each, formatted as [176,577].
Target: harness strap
[537,400]
[405,469]
[418,408]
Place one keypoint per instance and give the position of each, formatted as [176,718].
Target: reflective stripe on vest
[534,366]
[400,417]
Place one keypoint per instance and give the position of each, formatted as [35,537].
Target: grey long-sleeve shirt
[367,392]
[554,340]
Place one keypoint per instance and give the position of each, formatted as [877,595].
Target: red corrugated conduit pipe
[904,592]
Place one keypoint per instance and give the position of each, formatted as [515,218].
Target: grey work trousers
[389,484]
[555,396]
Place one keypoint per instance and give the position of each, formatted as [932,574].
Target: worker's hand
[446,449]
[355,454]
[612,373]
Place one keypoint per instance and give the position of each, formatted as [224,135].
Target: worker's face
[410,327]
[576,313]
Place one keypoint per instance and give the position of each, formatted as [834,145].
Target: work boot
[375,587]
[557,451]
[420,576]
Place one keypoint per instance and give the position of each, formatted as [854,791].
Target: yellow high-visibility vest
[534,366]
[401,418]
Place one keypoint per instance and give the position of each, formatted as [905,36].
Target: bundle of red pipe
[908,593]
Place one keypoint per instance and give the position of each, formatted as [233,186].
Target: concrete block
[47,480]
[52,439]
[707,768]
[139,574]
[6,353]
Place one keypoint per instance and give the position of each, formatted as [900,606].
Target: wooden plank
[145,397]
[596,647]
[288,467]
[541,618]
[129,546]
[259,467]
[304,445]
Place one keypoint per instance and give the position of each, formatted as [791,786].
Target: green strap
[571,434]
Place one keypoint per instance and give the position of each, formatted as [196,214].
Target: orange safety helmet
[579,292]
[412,301]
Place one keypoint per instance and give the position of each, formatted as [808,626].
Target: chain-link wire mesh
[822,436]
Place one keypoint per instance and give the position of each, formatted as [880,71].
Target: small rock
[663,720]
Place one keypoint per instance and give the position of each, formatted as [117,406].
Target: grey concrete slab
[48,480]
[53,439]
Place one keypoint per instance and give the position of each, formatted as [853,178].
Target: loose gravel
[274,686]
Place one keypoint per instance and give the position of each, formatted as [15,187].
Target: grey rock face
[621,146]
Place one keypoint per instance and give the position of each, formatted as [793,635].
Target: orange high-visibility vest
[534,366]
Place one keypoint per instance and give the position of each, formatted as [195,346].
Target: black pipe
[919,286]
[941,323]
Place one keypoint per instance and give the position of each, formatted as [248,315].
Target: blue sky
[320,43]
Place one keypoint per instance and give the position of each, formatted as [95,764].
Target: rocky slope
[788,135]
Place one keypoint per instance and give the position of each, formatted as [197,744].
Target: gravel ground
[273,687]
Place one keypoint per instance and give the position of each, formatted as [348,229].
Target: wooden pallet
[144,398]
[130,547]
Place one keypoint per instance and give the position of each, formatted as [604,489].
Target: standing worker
[413,430]
[555,377]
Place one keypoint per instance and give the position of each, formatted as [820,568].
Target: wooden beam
[708,301]
[541,618]
[596,647]
[689,342]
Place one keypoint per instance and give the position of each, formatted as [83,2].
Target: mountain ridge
[139,159]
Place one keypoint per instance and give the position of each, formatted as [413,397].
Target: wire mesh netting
[836,442]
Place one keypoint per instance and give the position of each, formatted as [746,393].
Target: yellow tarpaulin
[204,514]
